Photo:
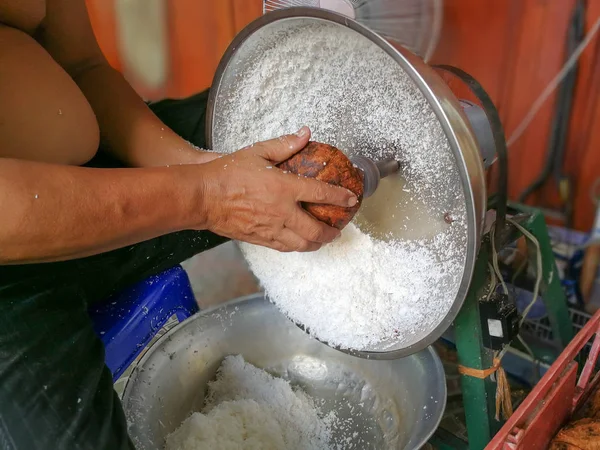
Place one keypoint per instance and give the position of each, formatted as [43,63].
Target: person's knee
[45,116]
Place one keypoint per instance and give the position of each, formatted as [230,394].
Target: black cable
[548,168]
[564,102]
[576,34]
[499,139]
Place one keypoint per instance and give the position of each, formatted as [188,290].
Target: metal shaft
[374,171]
[387,167]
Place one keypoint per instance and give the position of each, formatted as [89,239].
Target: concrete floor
[219,275]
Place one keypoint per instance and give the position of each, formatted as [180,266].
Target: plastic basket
[542,330]
[554,399]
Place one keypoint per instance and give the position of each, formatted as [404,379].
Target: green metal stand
[479,394]
[553,294]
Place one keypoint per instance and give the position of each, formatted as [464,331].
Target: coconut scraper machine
[471,128]
[468,123]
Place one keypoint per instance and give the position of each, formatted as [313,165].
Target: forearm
[129,129]
[54,212]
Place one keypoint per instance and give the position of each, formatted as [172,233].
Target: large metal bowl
[258,36]
[394,404]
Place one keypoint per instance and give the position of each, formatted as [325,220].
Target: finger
[283,147]
[311,229]
[295,243]
[262,242]
[276,245]
[314,191]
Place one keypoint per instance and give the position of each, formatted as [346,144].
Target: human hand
[247,198]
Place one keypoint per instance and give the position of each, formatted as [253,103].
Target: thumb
[284,147]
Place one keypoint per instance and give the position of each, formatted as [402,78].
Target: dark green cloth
[55,391]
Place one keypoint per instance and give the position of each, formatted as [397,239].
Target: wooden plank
[244,12]
[514,48]
[510,64]
[200,31]
[583,156]
[541,54]
[474,37]
[552,412]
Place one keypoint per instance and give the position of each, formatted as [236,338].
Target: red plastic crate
[554,399]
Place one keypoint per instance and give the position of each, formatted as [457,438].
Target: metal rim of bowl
[428,44]
[131,380]
[453,122]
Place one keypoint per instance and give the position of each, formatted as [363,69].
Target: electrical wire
[562,113]
[537,285]
[538,279]
[493,282]
[503,395]
[558,78]
[526,347]
[495,261]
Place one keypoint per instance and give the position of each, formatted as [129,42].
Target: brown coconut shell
[330,165]
[582,434]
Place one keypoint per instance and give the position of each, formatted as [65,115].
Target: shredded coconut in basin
[248,409]
[371,289]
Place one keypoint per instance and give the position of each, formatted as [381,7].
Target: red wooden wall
[513,47]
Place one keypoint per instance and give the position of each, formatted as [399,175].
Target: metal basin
[399,403]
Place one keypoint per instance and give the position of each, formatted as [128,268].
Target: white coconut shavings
[249,409]
[359,292]
[356,292]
